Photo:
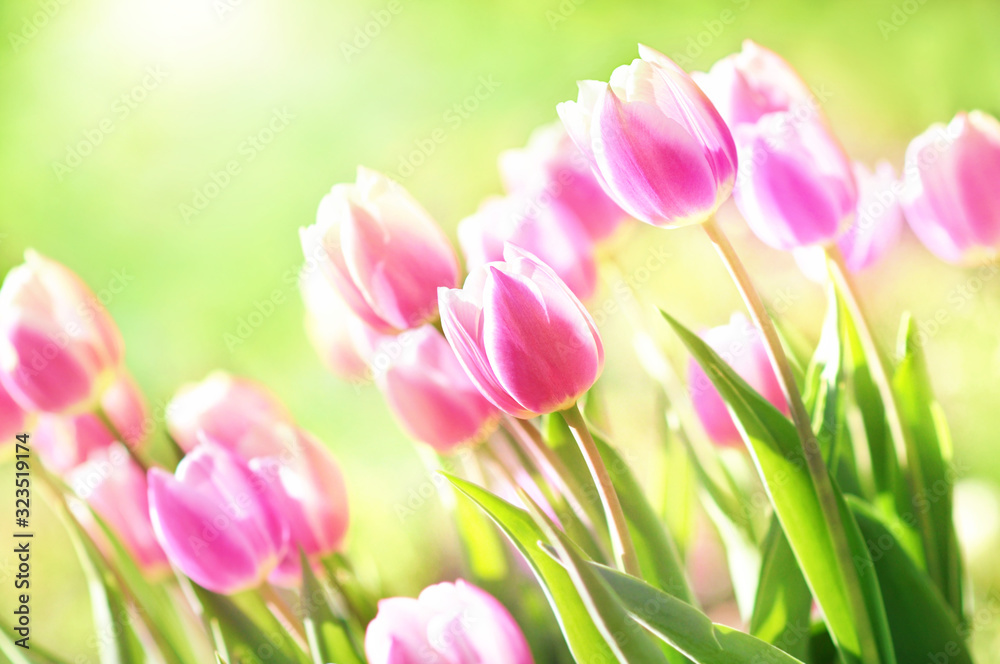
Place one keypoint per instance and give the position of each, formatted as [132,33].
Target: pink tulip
[126,408]
[432,397]
[739,344]
[552,233]
[952,202]
[551,170]
[236,413]
[450,623]
[215,521]
[58,345]
[64,442]
[114,486]
[879,219]
[306,487]
[383,252]
[521,335]
[747,85]
[12,418]
[796,187]
[655,141]
[332,327]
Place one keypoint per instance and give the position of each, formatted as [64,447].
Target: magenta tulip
[431,396]
[306,487]
[746,86]
[383,252]
[521,335]
[796,187]
[450,623]
[236,413]
[58,344]
[12,418]
[114,486]
[215,521]
[552,171]
[951,201]
[332,327]
[654,139]
[64,442]
[552,233]
[739,344]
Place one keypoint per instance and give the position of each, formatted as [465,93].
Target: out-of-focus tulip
[125,406]
[747,85]
[450,623]
[215,521]
[114,486]
[739,344]
[431,395]
[551,232]
[551,170]
[58,344]
[236,413]
[12,418]
[332,327]
[382,251]
[66,441]
[306,487]
[521,335]
[662,151]
[796,187]
[951,201]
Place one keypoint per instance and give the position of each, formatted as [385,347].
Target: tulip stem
[284,613]
[810,445]
[621,540]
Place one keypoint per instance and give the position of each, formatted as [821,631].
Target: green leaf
[585,640]
[923,416]
[329,635]
[686,628]
[923,626]
[782,464]
[781,612]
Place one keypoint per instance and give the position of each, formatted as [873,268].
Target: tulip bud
[306,487]
[215,522]
[552,233]
[332,327]
[655,141]
[12,418]
[739,344]
[448,624]
[236,413]
[748,85]
[383,252]
[64,442]
[125,406]
[796,187]
[114,486]
[521,335]
[58,345]
[551,170]
[951,199]
[432,397]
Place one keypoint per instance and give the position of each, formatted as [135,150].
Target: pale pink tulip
[125,406]
[63,442]
[332,327]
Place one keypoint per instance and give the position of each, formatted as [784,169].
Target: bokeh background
[119,119]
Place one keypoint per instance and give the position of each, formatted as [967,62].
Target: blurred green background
[116,114]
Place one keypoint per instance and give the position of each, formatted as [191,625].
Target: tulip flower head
[431,395]
[951,200]
[65,441]
[114,486]
[449,623]
[215,520]
[739,344]
[59,347]
[125,407]
[551,170]
[552,233]
[332,327]
[521,335]
[655,141]
[382,251]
